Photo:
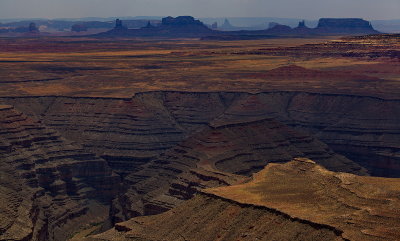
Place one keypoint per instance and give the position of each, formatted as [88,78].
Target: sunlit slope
[364,208]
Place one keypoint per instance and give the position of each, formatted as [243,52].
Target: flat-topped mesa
[180,21]
[345,25]
[182,26]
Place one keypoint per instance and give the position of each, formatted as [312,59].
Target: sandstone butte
[298,200]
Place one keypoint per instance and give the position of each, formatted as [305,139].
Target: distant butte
[187,26]
[182,26]
[345,25]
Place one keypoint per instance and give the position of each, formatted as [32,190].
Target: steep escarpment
[208,218]
[131,132]
[364,129]
[48,184]
[169,145]
[345,25]
[367,47]
[125,132]
[181,26]
[361,207]
[298,200]
[218,156]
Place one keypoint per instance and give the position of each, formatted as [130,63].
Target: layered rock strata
[359,207]
[169,145]
[131,132]
[48,185]
[298,200]
[218,156]
[209,218]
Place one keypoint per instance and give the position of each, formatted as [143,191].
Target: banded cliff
[48,185]
[298,200]
[127,131]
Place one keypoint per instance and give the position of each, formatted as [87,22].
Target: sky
[303,9]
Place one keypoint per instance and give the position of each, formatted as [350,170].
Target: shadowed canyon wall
[166,146]
[48,184]
[133,130]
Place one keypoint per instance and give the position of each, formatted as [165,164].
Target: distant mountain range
[189,27]
[237,23]
[385,26]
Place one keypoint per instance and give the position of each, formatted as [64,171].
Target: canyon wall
[48,184]
[146,154]
[226,220]
[134,131]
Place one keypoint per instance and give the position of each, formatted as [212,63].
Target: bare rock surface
[167,146]
[226,220]
[131,132]
[360,207]
[48,185]
[298,200]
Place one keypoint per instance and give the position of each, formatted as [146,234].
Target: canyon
[113,138]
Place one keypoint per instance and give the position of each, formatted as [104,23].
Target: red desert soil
[123,67]
[298,73]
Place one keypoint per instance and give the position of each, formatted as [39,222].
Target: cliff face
[181,21]
[215,156]
[132,132]
[168,145]
[48,184]
[182,26]
[345,25]
[298,200]
[125,132]
[209,218]
[359,207]
[187,26]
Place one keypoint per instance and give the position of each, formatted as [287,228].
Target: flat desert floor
[123,67]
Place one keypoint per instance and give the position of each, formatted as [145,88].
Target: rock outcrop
[169,145]
[49,186]
[216,156]
[359,208]
[208,218]
[119,25]
[32,28]
[299,200]
[326,27]
[345,25]
[302,24]
[125,132]
[227,25]
[182,26]
[181,21]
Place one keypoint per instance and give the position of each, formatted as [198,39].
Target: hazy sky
[307,9]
